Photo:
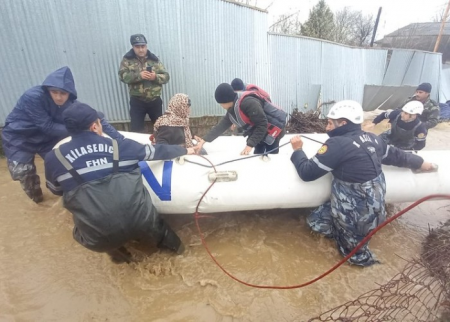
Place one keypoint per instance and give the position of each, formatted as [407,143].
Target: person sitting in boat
[354,157]
[407,131]
[239,86]
[261,121]
[173,127]
[101,184]
[35,125]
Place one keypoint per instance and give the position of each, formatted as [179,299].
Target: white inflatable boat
[176,186]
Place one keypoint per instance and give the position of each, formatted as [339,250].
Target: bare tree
[363,29]
[287,24]
[352,27]
[440,14]
[345,21]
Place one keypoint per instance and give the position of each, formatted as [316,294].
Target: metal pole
[375,27]
[444,18]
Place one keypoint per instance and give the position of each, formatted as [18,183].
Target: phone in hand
[149,69]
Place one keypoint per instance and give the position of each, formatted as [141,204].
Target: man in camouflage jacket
[431,111]
[145,74]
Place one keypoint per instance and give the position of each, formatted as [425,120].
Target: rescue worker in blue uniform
[261,121]
[407,130]
[36,124]
[354,157]
[101,184]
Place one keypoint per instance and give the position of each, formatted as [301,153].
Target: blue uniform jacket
[36,124]
[352,155]
[92,156]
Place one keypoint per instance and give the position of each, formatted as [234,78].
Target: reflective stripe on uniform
[53,187]
[321,165]
[149,152]
[387,152]
[96,168]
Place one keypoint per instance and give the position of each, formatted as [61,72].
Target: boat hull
[176,186]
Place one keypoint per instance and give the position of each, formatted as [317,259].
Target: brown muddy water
[46,276]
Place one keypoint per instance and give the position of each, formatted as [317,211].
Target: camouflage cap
[138,39]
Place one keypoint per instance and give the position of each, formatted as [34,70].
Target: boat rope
[247,157]
[197,216]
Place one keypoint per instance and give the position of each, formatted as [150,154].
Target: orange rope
[197,216]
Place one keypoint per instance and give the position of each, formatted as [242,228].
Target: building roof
[420,29]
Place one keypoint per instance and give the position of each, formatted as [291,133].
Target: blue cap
[79,117]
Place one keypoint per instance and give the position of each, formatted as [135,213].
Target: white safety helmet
[349,110]
[413,107]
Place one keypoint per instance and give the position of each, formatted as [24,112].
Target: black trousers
[139,109]
[263,148]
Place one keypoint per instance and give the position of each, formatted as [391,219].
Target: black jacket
[253,109]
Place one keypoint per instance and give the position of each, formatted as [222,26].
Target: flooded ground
[46,276]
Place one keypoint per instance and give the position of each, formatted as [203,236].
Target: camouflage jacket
[430,114]
[130,73]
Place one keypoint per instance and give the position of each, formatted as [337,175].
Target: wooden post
[375,27]
[444,19]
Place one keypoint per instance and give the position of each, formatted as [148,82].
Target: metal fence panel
[409,67]
[444,84]
[201,43]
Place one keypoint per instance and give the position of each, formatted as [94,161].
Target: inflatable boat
[269,182]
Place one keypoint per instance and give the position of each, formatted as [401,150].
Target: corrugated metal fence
[201,42]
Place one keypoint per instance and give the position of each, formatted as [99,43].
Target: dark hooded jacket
[36,123]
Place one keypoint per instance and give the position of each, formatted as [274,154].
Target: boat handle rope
[248,157]
[197,216]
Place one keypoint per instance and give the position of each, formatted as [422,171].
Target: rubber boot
[120,255]
[171,241]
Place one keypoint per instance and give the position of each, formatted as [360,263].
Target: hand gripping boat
[268,182]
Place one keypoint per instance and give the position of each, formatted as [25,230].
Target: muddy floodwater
[46,276]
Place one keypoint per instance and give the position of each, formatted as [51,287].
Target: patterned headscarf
[177,114]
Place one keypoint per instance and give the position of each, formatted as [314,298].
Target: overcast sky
[394,15]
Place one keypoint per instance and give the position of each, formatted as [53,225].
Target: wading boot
[171,241]
[120,255]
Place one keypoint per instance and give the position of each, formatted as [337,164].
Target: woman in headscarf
[173,127]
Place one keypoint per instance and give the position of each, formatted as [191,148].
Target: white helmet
[349,110]
[413,107]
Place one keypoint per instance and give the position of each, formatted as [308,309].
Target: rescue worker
[431,112]
[239,86]
[407,131]
[261,121]
[36,124]
[101,184]
[354,157]
[145,74]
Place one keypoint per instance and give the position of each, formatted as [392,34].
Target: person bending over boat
[35,125]
[354,157]
[101,184]
[261,121]
[407,131]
